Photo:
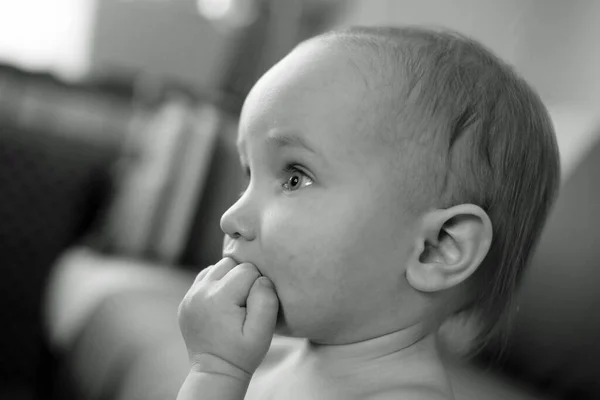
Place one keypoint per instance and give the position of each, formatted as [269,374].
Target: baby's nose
[238,222]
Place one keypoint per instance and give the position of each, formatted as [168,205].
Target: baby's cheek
[316,231]
[297,255]
[286,241]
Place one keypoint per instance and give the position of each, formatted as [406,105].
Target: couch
[57,142]
[108,327]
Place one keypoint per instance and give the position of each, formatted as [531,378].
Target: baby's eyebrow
[281,139]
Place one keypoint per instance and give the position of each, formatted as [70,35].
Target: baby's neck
[395,347]
[405,358]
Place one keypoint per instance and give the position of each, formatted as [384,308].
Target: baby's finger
[202,274]
[261,309]
[220,269]
[237,283]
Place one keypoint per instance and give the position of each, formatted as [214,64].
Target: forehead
[319,91]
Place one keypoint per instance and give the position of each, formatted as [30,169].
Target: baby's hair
[489,141]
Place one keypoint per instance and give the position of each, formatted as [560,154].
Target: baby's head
[397,176]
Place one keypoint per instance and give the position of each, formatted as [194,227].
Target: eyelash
[290,168]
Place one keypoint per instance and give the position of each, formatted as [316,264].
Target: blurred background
[117,127]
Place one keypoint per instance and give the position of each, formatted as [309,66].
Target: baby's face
[322,214]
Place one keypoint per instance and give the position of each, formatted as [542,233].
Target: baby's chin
[283,328]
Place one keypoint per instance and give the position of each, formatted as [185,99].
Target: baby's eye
[296,180]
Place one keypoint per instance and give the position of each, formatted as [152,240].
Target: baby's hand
[227,319]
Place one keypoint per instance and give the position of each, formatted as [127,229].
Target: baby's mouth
[240,260]
[234,258]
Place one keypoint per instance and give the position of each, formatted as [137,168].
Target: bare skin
[355,282]
[292,371]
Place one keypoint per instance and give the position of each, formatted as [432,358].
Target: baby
[397,178]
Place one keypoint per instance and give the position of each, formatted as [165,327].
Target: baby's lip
[233,257]
[239,260]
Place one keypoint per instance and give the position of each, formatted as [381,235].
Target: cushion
[51,186]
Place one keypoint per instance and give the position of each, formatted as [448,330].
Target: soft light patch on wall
[228,13]
[47,35]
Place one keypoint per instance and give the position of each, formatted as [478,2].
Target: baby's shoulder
[423,378]
[418,378]
[413,392]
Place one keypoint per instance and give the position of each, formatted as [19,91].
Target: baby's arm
[213,378]
[227,319]
[203,385]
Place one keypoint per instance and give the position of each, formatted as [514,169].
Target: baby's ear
[450,246]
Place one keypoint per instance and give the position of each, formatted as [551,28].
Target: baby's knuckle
[213,293]
[194,299]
